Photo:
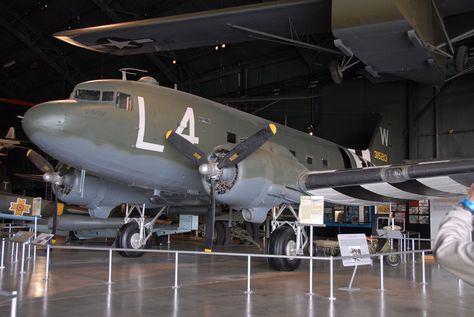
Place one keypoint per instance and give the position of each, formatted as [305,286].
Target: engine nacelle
[98,195]
[260,182]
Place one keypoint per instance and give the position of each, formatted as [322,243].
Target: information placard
[43,239]
[355,246]
[36,206]
[311,211]
[22,236]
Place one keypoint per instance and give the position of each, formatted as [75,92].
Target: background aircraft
[416,40]
[141,143]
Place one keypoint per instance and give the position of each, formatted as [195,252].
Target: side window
[85,94]
[231,138]
[124,101]
[107,96]
[309,160]
[325,162]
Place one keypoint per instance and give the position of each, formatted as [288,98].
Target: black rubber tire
[219,232]
[460,58]
[392,260]
[124,237]
[279,240]
[336,72]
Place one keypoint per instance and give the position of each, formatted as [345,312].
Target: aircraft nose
[46,119]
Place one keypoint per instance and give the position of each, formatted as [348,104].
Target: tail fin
[11,133]
[379,147]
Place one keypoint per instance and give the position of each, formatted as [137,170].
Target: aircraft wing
[282,18]
[392,183]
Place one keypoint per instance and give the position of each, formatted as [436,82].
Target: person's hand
[470,193]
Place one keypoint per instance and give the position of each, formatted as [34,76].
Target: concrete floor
[214,286]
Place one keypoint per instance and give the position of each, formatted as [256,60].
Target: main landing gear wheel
[219,233]
[128,237]
[392,259]
[253,230]
[283,242]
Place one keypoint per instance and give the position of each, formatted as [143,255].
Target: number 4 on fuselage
[186,122]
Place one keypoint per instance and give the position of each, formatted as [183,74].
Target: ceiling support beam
[29,36]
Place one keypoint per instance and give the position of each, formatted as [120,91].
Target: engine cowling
[100,196]
[259,182]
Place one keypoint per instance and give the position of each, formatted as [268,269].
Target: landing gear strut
[287,238]
[135,233]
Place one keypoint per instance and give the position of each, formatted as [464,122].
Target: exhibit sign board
[36,206]
[311,211]
[22,236]
[43,239]
[354,246]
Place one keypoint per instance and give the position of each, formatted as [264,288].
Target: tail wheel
[392,259]
[128,237]
[283,242]
[460,58]
[336,72]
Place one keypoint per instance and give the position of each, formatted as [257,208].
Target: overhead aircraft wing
[392,183]
[282,18]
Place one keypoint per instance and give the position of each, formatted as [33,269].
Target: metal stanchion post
[46,273]
[311,261]
[36,235]
[12,248]
[16,252]
[413,250]
[13,309]
[405,245]
[22,258]
[110,267]
[176,270]
[331,279]
[249,291]
[423,267]
[2,256]
[381,273]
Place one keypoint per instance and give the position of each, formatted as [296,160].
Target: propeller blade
[211,216]
[31,177]
[40,162]
[186,148]
[245,148]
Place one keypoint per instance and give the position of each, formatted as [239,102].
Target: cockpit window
[124,101]
[85,94]
[107,96]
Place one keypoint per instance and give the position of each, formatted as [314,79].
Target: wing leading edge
[392,184]
[201,29]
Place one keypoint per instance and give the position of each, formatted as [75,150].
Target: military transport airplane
[417,40]
[9,141]
[136,142]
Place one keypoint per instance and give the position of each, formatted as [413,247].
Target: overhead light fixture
[10,63]
[174,61]
[217,47]
[223,45]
